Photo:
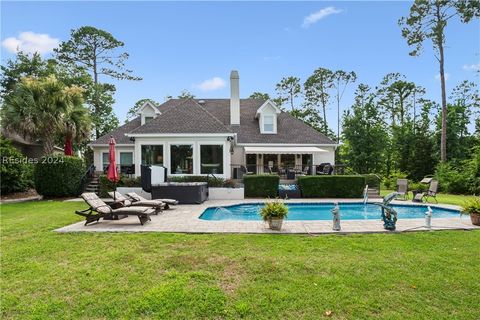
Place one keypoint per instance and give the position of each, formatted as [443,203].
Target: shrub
[59,176]
[372,180]
[106,185]
[417,186]
[262,185]
[16,173]
[471,206]
[391,181]
[274,209]
[212,182]
[452,180]
[332,186]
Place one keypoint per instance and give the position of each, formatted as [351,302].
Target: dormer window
[268,123]
[267,116]
[148,112]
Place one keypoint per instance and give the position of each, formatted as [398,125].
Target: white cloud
[447,76]
[471,67]
[30,42]
[211,84]
[317,16]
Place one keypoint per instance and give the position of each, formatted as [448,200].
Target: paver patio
[185,219]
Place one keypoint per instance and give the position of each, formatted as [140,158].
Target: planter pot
[275,223]
[475,218]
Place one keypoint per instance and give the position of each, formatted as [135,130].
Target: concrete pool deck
[185,219]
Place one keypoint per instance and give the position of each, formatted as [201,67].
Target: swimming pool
[322,211]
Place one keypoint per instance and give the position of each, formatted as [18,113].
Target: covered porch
[288,162]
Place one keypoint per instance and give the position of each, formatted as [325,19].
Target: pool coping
[186,219]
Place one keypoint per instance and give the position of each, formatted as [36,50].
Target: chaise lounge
[156,204]
[99,209]
[135,198]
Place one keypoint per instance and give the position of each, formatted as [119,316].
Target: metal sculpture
[389,215]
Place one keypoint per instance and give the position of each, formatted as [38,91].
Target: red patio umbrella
[112,173]
[68,148]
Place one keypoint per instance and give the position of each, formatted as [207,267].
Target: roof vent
[202,102]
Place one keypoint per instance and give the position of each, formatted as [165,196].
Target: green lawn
[46,275]
[456,199]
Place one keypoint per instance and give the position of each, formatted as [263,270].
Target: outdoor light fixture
[132,139]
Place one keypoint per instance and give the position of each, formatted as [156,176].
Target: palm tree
[40,108]
[77,125]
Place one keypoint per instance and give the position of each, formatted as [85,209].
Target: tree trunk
[48,144]
[96,106]
[338,118]
[443,140]
[441,60]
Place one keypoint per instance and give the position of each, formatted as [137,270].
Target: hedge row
[106,185]
[332,186]
[264,185]
[212,182]
[59,176]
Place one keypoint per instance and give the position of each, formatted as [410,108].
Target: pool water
[322,211]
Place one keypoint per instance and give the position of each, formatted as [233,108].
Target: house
[224,137]
[31,148]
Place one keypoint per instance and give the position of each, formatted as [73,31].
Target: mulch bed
[20,195]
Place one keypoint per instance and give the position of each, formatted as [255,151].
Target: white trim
[268,102]
[161,135]
[103,145]
[283,150]
[147,103]
[285,144]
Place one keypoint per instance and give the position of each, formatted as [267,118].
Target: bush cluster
[106,185]
[16,174]
[263,185]
[332,186]
[59,176]
[212,182]
[391,181]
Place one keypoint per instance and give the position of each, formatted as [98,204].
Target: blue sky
[175,46]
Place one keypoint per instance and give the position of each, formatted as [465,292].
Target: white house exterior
[224,137]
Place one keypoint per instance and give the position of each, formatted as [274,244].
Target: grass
[455,199]
[47,275]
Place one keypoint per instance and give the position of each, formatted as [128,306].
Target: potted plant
[472,208]
[273,212]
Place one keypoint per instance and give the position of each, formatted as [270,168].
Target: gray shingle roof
[213,116]
[119,133]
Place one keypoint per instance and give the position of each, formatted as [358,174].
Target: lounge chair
[99,209]
[134,197]
[430,193]
[156,204]
[402,188]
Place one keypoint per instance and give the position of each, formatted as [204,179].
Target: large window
[181,156]
[126,162]
[105,160]
[152,154]
[268,123]
[211,159]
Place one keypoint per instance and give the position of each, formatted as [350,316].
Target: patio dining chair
[99,209]
[430,193]
[402,188]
